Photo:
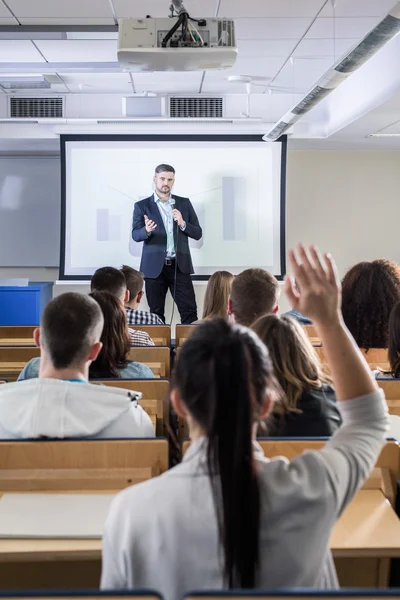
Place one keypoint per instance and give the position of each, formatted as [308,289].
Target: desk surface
[368,528]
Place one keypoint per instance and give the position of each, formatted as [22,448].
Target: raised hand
[318,291]
[150,225]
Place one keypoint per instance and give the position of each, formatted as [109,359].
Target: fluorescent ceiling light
[383,135]
[18,82]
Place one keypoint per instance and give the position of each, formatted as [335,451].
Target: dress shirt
[166,208]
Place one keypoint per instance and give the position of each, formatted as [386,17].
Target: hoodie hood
[60,409]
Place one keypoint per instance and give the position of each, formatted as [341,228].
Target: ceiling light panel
[78,50]
[359,8]
[256,28]
[19,51]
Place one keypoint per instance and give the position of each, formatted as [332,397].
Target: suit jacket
[155,245]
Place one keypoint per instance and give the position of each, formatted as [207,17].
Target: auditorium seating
[160,334]
[377,358]
[14,358]
[391,387]
[21,335]
[155,398]
[182,332]
[157,358]
[79,465]
[288,594]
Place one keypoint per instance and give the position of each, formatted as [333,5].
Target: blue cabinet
[24,305]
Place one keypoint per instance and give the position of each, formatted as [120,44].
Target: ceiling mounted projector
[176,44]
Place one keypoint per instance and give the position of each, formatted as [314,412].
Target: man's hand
[178,217]
[150,225]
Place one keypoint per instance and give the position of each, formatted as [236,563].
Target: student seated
[369,292]
[134,283]
[307,406]
[61,403]
[112,361]
[254,293]
[393,347]
[109,279]
[217,295]
[226,516]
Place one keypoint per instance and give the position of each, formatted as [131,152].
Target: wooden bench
[182,332]
[160,334]
[17,335]
[155,399]
[79,465]
[157,358]
[292,595]
[391,387]
[377,358]
[312,335]
[2,381]
[14,358]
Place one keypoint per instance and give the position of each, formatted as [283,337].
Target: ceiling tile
[67,21]
[60,8]
[169,83]
[89,83]
[4,12]
[160,8]
[78,50]
[342,27]
[8,21]
[261,67]
[270,8]
[358,8]
[274,29]
[320,48]
[266,48]
[302,75]
[19,51]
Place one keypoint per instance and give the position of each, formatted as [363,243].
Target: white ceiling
[269,32]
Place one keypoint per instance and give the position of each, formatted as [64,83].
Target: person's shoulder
[141,203]
[136,370]
[181,198]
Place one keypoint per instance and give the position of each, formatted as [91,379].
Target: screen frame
[65,138]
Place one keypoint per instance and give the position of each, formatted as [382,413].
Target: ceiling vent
[196,107]
[36,108]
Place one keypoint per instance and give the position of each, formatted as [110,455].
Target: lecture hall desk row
[288,594]
[364,540]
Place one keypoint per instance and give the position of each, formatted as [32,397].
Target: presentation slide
[235,188]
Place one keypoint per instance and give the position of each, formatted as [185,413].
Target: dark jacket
[320,416]
[155,245]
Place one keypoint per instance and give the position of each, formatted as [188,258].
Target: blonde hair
[296,364]
[217,295]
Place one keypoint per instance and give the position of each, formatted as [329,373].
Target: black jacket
[320,416]
[155,245]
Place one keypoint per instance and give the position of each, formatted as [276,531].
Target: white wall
[346,202]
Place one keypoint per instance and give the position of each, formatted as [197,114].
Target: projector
[176,44]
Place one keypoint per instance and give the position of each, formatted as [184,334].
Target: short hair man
[135,282]
[112,280]
[165,223]
[61,403]
[254,293]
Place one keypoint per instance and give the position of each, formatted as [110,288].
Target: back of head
[296,364]
[255,292]
[394,341]
[109,279]
[134,280]
[369,292]
[217,295]
[222,375]
[70,325]
[115,339]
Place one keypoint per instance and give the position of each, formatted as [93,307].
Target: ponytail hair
[222,375]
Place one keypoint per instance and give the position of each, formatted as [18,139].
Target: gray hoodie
[62,409]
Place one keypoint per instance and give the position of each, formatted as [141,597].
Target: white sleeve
[350,455]
[111,576]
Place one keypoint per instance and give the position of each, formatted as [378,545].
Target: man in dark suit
[165,223]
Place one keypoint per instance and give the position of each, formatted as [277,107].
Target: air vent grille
[226,33]
[36,108]
[196,107]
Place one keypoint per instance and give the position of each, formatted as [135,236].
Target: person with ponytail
[227,517]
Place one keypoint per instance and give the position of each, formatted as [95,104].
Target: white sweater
[162,534]
[63,409]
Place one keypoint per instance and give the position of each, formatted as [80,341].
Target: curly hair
[370,290]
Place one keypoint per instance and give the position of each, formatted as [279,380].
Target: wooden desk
[364,539]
